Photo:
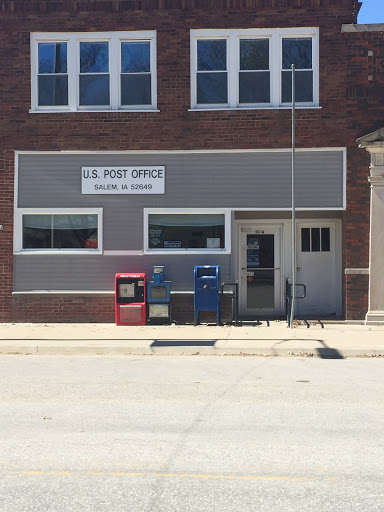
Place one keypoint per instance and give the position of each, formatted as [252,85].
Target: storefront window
[60,231]
[186,231]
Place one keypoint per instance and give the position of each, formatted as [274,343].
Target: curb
[51,348]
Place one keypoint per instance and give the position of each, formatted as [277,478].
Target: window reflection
[60,232]
[299,53]
[212,55]
[94,87]
[212,77]
[52,81]
[94,58]
[136,86]
[186,231]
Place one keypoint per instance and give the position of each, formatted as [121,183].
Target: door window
[315,240]
[260,280]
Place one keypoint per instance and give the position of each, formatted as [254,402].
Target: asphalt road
[188,434]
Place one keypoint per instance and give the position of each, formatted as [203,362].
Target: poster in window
[127,290]
[155,237]
[213,243]
[172,244]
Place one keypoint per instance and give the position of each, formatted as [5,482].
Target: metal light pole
[293,287]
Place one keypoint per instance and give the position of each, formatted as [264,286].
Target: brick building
[141,133]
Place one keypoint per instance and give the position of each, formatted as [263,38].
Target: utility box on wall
[130,299]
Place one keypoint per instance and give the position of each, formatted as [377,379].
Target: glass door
[260,271]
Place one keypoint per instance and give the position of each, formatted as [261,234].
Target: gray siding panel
[193,180]
[96,273]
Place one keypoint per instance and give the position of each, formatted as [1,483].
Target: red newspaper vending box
[130,299]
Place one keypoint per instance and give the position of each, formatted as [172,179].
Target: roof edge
[372,139]
[366,27]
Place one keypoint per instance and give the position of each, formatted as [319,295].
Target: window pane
[94,90]
[303,86]
[315,232]
[212,88]
[37,231]
[135,57]
[136,89]
[186,231]
[94,58]
[297,52]
[305,240]
[72,221]
[325,239]
[254,87]
[60,232]
[53,90]
[260,286]
[52,57]
[254,54]
[75,232]
[212,55]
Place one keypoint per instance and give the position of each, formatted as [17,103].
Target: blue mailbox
[158,298]
[207,290]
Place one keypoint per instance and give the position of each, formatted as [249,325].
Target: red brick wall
[365,100]
[101,308]
[173,127]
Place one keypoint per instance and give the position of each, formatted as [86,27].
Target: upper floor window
[93,71]
[252,68]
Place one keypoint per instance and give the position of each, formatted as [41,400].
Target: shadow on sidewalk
[323,352]
[326,352]
[183,343]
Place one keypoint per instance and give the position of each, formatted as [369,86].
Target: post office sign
[123,180]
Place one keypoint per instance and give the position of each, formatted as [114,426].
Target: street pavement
[332,340]
[191,434]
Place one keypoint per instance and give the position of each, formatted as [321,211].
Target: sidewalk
[326,340]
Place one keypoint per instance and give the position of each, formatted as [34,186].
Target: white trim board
[89,292]
[175,151]
[64,292]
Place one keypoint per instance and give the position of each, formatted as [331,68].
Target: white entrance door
[316,268]
[260,272]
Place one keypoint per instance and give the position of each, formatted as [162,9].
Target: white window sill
[187,251]
[212,109]
[61,292]
[38,252]
[125,111]
[90,292]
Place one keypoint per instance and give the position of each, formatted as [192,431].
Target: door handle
[298,269]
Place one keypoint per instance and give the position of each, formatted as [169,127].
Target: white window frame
[18,230]
[275,36]
[73,40]
[191,211]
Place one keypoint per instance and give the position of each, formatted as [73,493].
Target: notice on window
[155,237]
[213,243]
[123,180]
[158,310]
[172,244]
[127,290]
